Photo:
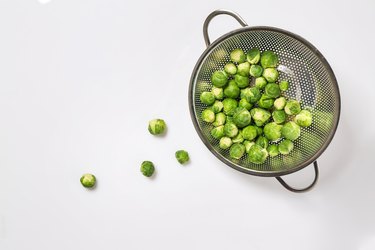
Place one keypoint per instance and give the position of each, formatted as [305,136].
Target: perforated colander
[312,82]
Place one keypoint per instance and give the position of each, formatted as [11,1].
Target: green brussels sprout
[284,85]
[232,90]
[256,70]
[225,142]
[269,59]
[147,168]
[207,98]
[88,180]
[229,119]
[237,56]
[285,147]
[182,156]
[259,130]
[230,69]
[253,56]
[243,69]
[280,103]
[272,90]
[219,78]
[230,129]
[304,118]
[273,150]
[229,106]
[157,126]
[260,82]
[217,106]
[272,131]
[241,117]
[260,116]
[292,107]
[218,132]
[251,95]
[245,104]
[248,145]
[271,74]
[257,154]
[249,133]
[291,131]
[218,93]
[238,138]
[219,119]
[279,116]
[262,141]
[265,101]
[241,81]
[237,150]
[208,115]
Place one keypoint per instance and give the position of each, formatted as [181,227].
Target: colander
[312,82]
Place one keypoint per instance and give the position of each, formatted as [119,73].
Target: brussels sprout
[218,93]
[238,138]
[241,81]
[157,126]
[88,180]
[251,95]
[243,69]
[262,141]
[232,90]
[284,85]
[229,106]
[291,131]
[230,129]
[253,56]
[248,145]
[273,150]
[218,132]
[304,118]
[249,133]
[207,98]
[260,82]
[280,103]
[256,70]
[259,130]
[272,90]
[217,107]
[237,56]
[260,116]
[237,150]
[182,156]
[257,154]
[241,117]
[271,74]
[245,104]
[285,147]
[279,116]
[147,168]
[225,142]
[229,119]
[208,115]
[230,69]
[265,101]
[292,107]
[269,59]
[219,119]
[219,79]
[272,131]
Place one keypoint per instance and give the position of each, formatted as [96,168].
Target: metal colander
[312,82]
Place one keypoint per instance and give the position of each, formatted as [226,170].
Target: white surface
[79,81]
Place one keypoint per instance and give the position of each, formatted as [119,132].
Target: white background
[79,81]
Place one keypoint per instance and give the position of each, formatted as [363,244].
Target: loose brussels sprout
[88,180]
[208,115]
[253,56]
[229,106]
[273,150]
[248,145]
[245,104]
[257,154]
[249,133]
[238,138]
[207,98]
[291,131]
[218,93]
[284,85]
[230,69]
[219,79]
[269,59]
[251,95]
[256,70]
[219,119]
[285,147]
[232,91]
[272,131]
[272,90]
[292,107]
[218,132]
[262,141]
[304,118]
[225,142]
[182,156]
[147,168]
[237,56]
[241,117]
[279,116]
[229,119]
[241,81]
[237,150]
[265,101]
[243,69]
[271,74]
[260,116]
[157,126]
[260,82]
[230,129]
[259,130]
[280,103]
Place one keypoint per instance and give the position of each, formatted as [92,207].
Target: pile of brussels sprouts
[248,110]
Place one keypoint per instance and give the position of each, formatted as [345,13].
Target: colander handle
[216,13]
[303,189]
